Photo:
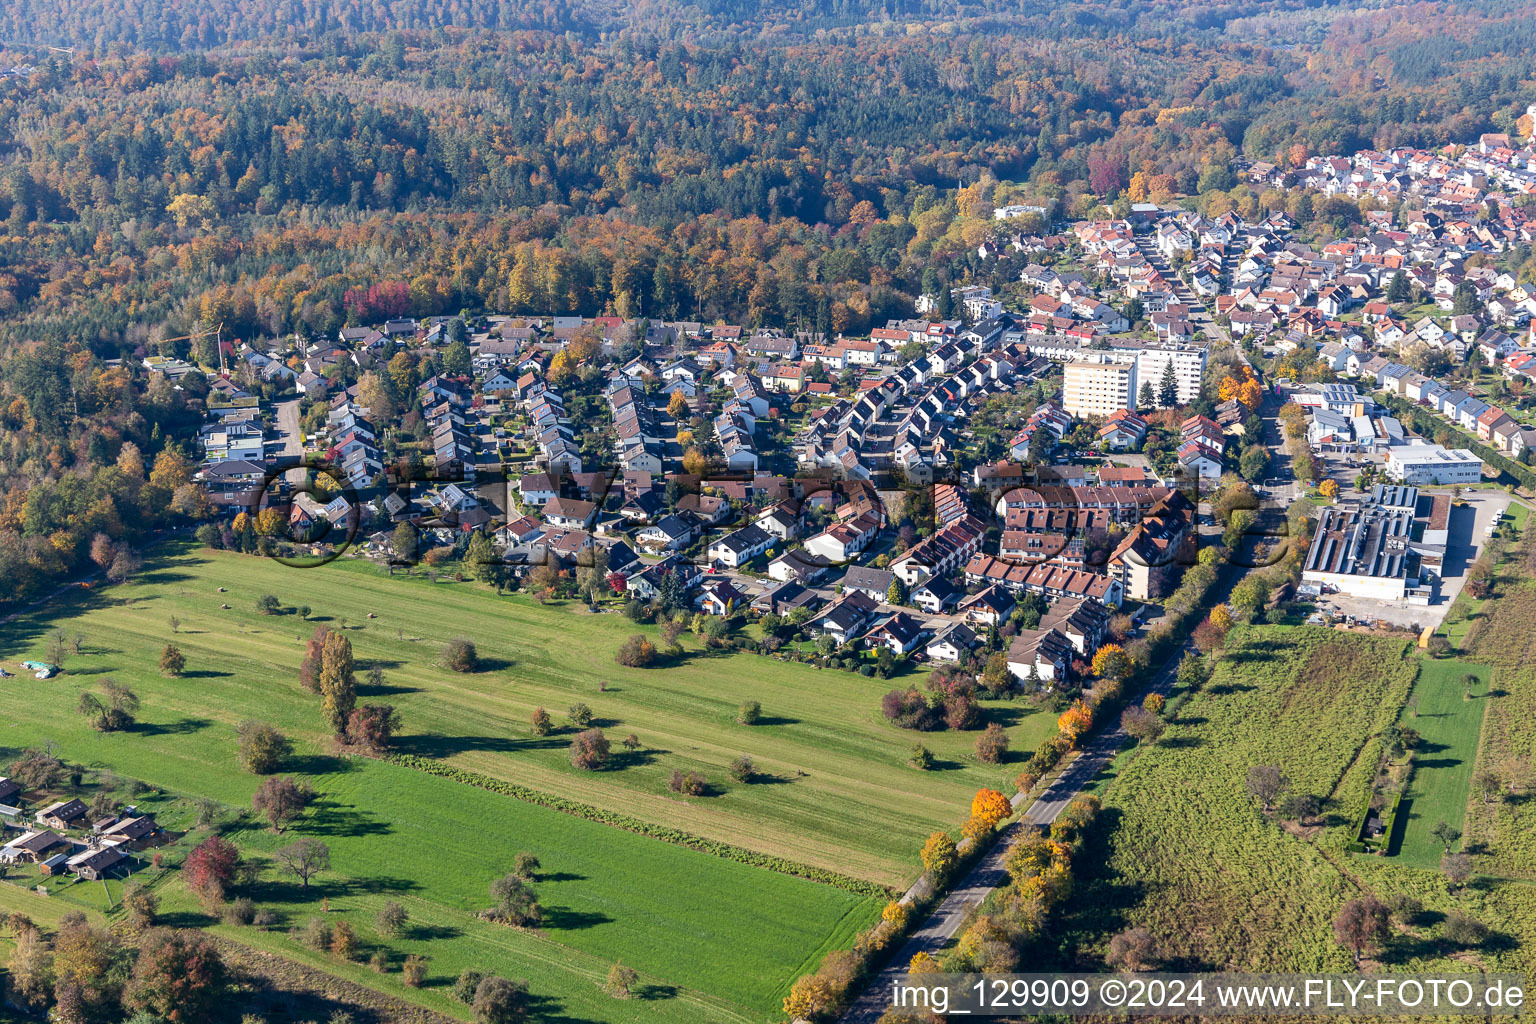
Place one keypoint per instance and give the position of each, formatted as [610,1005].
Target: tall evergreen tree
[1168,387]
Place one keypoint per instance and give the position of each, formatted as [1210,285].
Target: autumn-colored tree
[1329,489]
[172,661]
[1139,189]
[975,828]
[373,726]
[1221,618]
[281,800]
[694,462]
[338,685]
[270,522]
[1075,721]
[939,855]
[991,805]
[210,868]
[810,997]
[1111,662]
[1251,394]
[179,976]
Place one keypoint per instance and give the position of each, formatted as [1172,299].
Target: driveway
[291,437]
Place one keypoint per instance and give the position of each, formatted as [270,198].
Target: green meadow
[713,939]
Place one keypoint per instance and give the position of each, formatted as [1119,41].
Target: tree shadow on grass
[332,819]
[318,764]
[1009,715]
[159,576]
[770,779]
[292,1004]
[651,993]
[775,720]
[204,673]
[176,728]
[566,919]
[636,758]
[546,1010]
[184,919]
[559,876]
[437,745]
[485,664]
[424,932]
[387,690]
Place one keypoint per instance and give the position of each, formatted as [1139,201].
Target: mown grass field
[836,791]
[713,939]
[1185,851]
[1450,725]
[1501,835]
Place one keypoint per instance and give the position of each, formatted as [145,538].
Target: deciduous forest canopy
[279,166]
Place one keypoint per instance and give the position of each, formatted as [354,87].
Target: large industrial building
[1433,465]
[1389,547]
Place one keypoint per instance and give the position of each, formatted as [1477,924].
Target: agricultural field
[1186,852]
[1449,725]
[835,790]
[713,939]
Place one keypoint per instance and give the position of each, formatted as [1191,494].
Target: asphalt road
[941,926]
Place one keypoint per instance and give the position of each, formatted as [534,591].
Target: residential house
[569,512]
[936,595]
[739,547]
[669,533]
[846,620]
[32,847]
[989,607]
[1039,655]
[798,567]
[721,597]
[899,633]
[952,643]
[875,583]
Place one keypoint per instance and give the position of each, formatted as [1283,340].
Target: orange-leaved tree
[1075,721]
[991,805]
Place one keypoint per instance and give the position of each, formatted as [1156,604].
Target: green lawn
[714,940]
[837,794]
[1450,725]
[727,937]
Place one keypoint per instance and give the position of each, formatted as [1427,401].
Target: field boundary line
[677,837]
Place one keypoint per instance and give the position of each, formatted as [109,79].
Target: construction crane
[217,332]
[38,46]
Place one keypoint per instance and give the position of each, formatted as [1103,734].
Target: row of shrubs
[677,837]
